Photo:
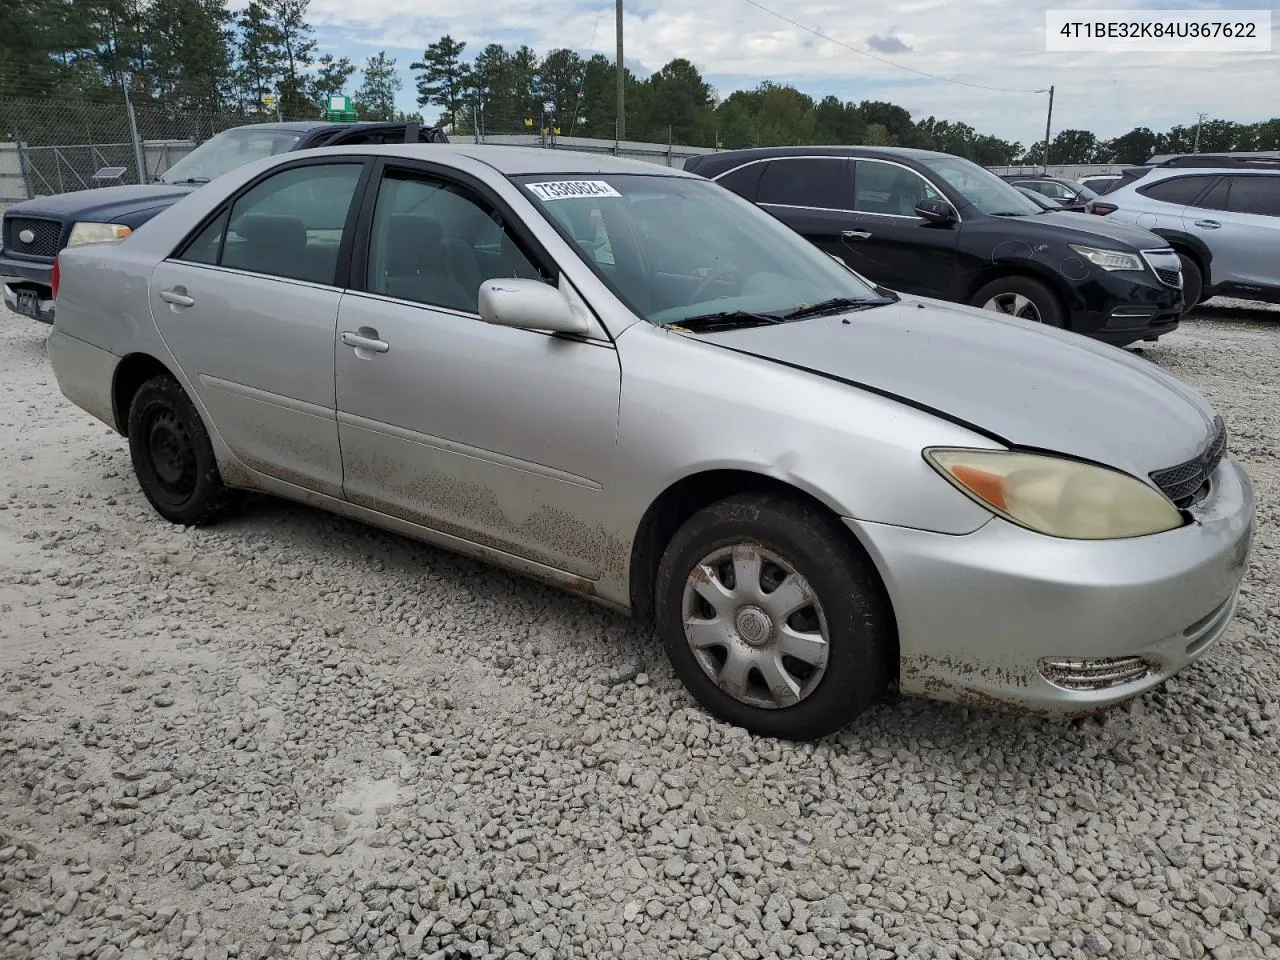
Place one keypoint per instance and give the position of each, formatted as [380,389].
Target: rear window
[1177,189]
[744,181]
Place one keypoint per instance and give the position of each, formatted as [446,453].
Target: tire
[1192,283]
[172,457]
[851,613]
[1027,297]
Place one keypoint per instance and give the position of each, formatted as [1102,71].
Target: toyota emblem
[26,236]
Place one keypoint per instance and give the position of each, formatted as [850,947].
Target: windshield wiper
[725,320]
[837,305]
[187,180]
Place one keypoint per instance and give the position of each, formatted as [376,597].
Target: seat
[273,244]
[416,265]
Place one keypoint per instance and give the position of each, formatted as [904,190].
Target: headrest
[274,231]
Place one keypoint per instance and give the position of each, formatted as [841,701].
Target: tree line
[197,58]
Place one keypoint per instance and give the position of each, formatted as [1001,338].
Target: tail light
[1101,209]
[57,277]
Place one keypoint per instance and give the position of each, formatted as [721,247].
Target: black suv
[35,230]
[936,225]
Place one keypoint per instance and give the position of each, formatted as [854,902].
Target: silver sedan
[627,381]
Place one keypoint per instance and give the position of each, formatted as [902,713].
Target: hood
[103,204]
[1024,384]
[1086,228]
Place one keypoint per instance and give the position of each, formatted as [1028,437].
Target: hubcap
[755,626]
[1013,305]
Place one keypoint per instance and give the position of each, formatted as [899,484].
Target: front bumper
[1122,308]
[27,287]
[979,615]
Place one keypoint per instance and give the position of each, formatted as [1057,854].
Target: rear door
[1240,218]
[811,195]
[249,307]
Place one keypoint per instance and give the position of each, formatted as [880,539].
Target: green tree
[1135,147]
[376,98]
[190,53]
[677,104]
[261,59]
[559,82]
[330,80]
[297,49]
[444,78]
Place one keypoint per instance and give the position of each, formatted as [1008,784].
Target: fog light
[1097,673]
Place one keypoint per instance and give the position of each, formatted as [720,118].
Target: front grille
[1166,266]
[1181,483]
[45,240]
[1094,673]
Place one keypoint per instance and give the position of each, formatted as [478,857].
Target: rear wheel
[1022,297]
[1192,283]
[772,620]
[172,456]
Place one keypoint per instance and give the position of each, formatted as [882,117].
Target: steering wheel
[724,273]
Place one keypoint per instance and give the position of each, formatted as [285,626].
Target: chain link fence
[51,146]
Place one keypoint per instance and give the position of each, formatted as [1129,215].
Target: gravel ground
[291,735]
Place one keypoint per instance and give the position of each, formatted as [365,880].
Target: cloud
[981,44]
[887,45]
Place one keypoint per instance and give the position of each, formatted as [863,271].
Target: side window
[806,182]
[1259,195]
[207,244]
[1181,190]
[291,224]
[744,181]
[887,188]
[434,242]
[1218,197]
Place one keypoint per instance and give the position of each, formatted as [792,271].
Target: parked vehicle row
[936,225]
[640,386]
[35,230]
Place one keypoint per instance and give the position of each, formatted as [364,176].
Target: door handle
[855,234]
[178,297]
[362,342]
[1208,224]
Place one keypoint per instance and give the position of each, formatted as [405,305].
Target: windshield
[226,151]
[676,248]
[1082,191]
[982,188]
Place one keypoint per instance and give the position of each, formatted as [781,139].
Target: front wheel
[772,620]
[1021,297]
[172,456]
[1192,283]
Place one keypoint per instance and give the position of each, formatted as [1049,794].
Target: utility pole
[621,133]
[1199,120]
[1047,123]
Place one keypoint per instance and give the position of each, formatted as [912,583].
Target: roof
[726,159]
[515,161]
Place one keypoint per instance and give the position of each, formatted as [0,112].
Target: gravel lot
[291,735]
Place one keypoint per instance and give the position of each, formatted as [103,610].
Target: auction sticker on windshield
[569,189]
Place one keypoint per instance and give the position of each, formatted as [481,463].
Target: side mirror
[938,212]
[528,305]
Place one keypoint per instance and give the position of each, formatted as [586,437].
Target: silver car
[1222,219]
[626,381]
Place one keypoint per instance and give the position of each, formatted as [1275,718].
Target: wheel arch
[686,496]
[132,372]
[1032,271]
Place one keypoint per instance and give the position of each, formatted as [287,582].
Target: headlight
[1057,496]
[1109,259]
[89,232]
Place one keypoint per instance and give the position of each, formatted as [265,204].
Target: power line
[900,66]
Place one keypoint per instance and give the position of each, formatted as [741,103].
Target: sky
[989,43]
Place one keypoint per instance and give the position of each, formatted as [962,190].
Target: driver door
[495,435]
